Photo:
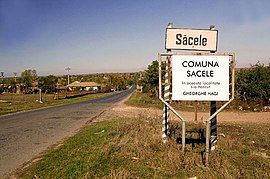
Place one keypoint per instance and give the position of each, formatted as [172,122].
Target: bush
[253,85]
[47,84]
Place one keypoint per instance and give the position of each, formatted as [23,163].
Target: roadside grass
[10,103]
[132,148]
[138,99]
[143,100]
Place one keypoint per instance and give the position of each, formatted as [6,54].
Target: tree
[118,81]
[152,74]
[48,83]
[28,76]
[151,80]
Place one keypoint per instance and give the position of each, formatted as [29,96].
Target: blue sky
[120,36]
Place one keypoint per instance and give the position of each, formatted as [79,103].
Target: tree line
[48,84]
[252,85]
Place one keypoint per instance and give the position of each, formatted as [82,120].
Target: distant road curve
[24,135]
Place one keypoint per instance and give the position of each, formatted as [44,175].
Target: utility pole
[68,69]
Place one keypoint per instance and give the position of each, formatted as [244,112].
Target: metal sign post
[195,77]
[213,122]
[231,64]
[208,132]
[212,126]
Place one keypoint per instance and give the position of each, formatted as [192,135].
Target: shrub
[253,84]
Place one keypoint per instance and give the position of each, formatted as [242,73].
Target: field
[10,103]
[126,142]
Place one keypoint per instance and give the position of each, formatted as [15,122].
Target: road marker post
[40,96]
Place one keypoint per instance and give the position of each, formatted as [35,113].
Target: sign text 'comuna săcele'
[202,78]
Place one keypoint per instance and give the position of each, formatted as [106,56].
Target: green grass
[143,100]
[11,103]
[132,148]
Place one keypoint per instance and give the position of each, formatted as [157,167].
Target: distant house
[86,86]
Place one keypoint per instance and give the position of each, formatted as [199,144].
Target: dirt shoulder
[123,110]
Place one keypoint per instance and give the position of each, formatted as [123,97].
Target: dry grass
[10,103]
[144,100]
[132,148]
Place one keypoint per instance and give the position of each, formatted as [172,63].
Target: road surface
[25,135]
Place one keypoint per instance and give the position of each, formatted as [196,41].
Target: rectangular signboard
[202,78]
[191,39]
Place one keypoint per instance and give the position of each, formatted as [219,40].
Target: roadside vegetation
[252,92]
[10,103]
[21,93]
[132,148]
[29,82]
[253,87]
[145,100]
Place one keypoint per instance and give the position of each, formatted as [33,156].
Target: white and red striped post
[167,93]
[167,97]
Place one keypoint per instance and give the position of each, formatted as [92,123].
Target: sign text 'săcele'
[186,40]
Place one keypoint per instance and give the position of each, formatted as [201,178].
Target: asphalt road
[25,135]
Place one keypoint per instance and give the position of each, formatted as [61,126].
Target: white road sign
[191,39]
[202,78]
